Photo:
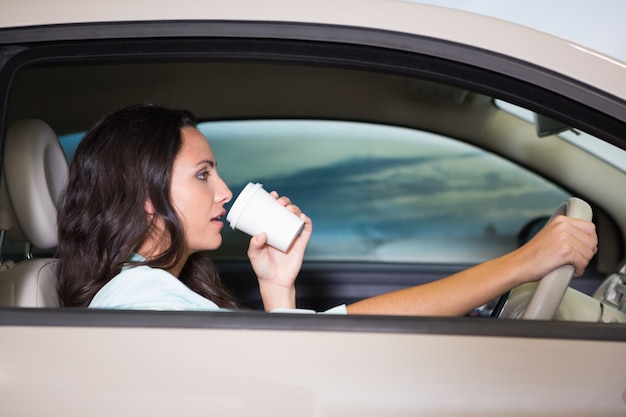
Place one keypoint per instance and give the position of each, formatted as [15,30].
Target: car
[421,140]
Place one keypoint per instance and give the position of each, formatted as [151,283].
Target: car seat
[34,175]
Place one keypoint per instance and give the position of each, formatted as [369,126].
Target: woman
[144,202]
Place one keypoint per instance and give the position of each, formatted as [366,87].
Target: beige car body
[59,362]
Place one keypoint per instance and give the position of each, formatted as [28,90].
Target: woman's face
[198,193]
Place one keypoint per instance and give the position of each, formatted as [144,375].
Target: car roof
[486,33]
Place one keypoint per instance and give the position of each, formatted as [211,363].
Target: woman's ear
[148,207]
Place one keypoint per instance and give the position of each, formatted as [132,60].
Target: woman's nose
[224,195]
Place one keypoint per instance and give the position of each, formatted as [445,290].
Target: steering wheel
[540,300]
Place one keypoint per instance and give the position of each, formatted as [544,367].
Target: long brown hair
[122,161]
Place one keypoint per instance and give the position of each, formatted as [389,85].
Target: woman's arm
[563,241]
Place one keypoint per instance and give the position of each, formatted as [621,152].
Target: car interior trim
[320,32]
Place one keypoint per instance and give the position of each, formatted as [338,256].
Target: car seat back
[34,175]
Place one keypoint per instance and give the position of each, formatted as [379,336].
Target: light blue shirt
[146,288]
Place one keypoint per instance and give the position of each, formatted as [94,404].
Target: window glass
[382,193]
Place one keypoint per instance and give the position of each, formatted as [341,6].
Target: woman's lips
[219,218]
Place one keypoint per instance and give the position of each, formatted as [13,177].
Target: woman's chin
[214,245]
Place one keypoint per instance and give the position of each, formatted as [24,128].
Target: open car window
[379,192]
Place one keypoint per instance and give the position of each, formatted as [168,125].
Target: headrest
[34,175]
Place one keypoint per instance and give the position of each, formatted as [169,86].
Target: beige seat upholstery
[34,174]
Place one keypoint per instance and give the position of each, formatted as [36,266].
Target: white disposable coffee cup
[255,211]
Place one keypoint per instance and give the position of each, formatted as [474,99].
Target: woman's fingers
[576,241]
[285,201]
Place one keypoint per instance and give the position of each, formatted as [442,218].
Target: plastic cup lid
[241,203]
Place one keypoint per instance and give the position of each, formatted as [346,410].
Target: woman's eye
[203,175]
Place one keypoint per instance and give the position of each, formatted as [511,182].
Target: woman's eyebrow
[209,162]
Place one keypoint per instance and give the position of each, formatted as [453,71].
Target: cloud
[407,196]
